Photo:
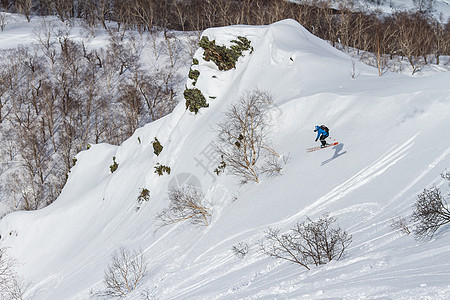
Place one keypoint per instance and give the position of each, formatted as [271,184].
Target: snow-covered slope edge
[393,144]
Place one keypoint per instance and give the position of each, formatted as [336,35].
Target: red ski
[318,148]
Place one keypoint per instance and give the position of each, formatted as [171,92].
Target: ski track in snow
[429,168]
[390,158]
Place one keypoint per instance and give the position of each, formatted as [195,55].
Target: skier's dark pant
[322,140]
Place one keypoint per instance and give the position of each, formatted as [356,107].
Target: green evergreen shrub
[114,166]
[194,99]
[157,147]
[224,58]
[161,169]
[144,195]
[193,74]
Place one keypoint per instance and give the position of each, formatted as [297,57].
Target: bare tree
[316,242]
[158,92]
[424,6]
[103,10]
[181,9]
[400,224]
[131,101]
[3,89]
[441,41]
[242,138]
[414,36]
[6,268]
[3,21]
[63,8]
[124,273]
[240,250]
[186,203]
[11,286]
[283,246]
[24,7]
[430,213]
[144,12]
[5,4]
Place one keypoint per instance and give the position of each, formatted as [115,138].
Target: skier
[322,134]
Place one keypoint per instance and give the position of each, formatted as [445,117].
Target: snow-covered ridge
[393,143]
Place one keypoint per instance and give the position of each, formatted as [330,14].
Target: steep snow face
[394,141]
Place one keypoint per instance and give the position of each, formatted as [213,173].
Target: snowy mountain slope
[440,8]
[393,143]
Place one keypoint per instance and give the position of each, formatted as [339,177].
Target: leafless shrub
[424,6]
[6,270]
[186,203]
[149,294]
[124,273]
[309,242]
[400,224]
[242,138]
[430,213]
[353,72]
[446,175]
[11,286]
[272,166]
[240,250]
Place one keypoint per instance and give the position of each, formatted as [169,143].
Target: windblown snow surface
[394,142]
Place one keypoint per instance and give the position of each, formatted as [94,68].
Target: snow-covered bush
[186,203]
[124,273]
[242,138]
[309,242]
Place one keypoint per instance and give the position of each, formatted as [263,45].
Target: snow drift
[394,141]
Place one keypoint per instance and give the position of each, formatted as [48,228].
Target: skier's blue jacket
[320,132]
